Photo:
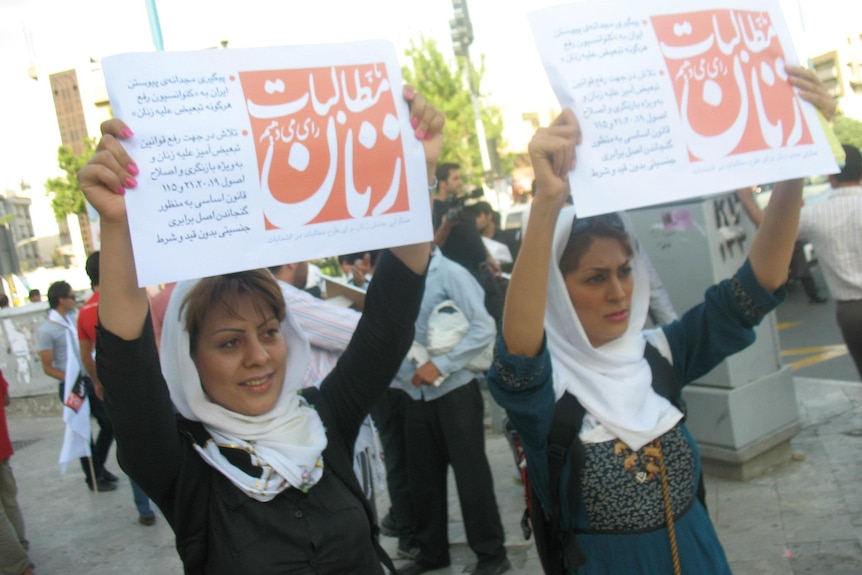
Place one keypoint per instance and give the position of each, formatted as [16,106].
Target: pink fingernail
[130,182]
[133,169]
[429,135]
[121,190]
[414,122]
[128,133]
[420,134]
[409,94]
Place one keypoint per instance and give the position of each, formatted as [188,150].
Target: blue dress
[619,516]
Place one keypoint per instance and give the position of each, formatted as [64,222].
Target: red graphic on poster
[727,69]
[328,143]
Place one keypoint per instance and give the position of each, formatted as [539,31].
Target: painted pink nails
[121,190]
[133,169]
[127,133]
[409,94]
[130,182]
[420,134]
[414,122]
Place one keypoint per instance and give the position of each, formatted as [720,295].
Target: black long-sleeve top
[218,528]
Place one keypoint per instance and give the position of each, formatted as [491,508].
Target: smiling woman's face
[600,288]
[241,356]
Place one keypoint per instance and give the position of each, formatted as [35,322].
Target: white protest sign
[678,99]
[259,157]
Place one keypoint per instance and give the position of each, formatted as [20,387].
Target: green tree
[442,81]
[848,131]
[64,191]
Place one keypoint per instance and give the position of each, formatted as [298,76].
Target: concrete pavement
[804,517]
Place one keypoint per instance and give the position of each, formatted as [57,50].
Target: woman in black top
[251,477]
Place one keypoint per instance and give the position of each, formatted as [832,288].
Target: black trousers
[848,313]
[450,431]
[389,415]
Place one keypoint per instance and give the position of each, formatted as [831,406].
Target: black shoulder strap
[344,471]
[667,384]
[664,379]
[559,550]
[568,415]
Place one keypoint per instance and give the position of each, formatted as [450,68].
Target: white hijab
[613,382]
[287,442]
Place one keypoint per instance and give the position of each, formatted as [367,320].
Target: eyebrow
[601,269]
[237,329]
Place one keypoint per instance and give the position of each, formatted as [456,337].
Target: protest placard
[259,157]
[678,99]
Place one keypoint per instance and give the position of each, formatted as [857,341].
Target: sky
[56,35]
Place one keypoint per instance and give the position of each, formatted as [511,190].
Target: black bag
[80,391]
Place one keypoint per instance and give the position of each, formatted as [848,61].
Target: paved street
[804,517]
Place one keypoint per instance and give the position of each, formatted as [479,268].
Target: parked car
[510,218]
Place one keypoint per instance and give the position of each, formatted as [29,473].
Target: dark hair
[34,293]
[473,211]
[57,291]
[224,290]
[497,221]
[584,231]
[4,300]
[351,257]
[443,170]
[852,170]
[464,245]
[92,268]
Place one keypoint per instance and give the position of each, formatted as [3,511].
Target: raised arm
[772,247]
[105,179]
[552,152]
[773,244]
[428,123]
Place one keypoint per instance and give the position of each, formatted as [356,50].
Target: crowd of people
[242,403]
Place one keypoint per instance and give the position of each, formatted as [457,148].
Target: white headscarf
[287,442]
[613,382]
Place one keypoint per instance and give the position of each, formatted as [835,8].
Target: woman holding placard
[615,474]
[252,477]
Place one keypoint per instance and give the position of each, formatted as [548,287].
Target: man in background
[53,342]
[834,228]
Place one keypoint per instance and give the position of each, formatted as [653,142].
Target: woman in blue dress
[619,493]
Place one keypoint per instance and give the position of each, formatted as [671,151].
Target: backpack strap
[666,383]
[343,469]
[558,548]
[664,379]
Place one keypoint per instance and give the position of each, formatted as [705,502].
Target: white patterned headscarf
[287,442]
[613,382]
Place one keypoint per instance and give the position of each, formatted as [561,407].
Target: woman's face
[241,357]
[601,290]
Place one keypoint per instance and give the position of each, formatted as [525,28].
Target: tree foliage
[848,131]
[442,82]
[64,191]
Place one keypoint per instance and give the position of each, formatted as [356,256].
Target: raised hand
[552,152]
[427,121]
[109,173]
[812,90]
